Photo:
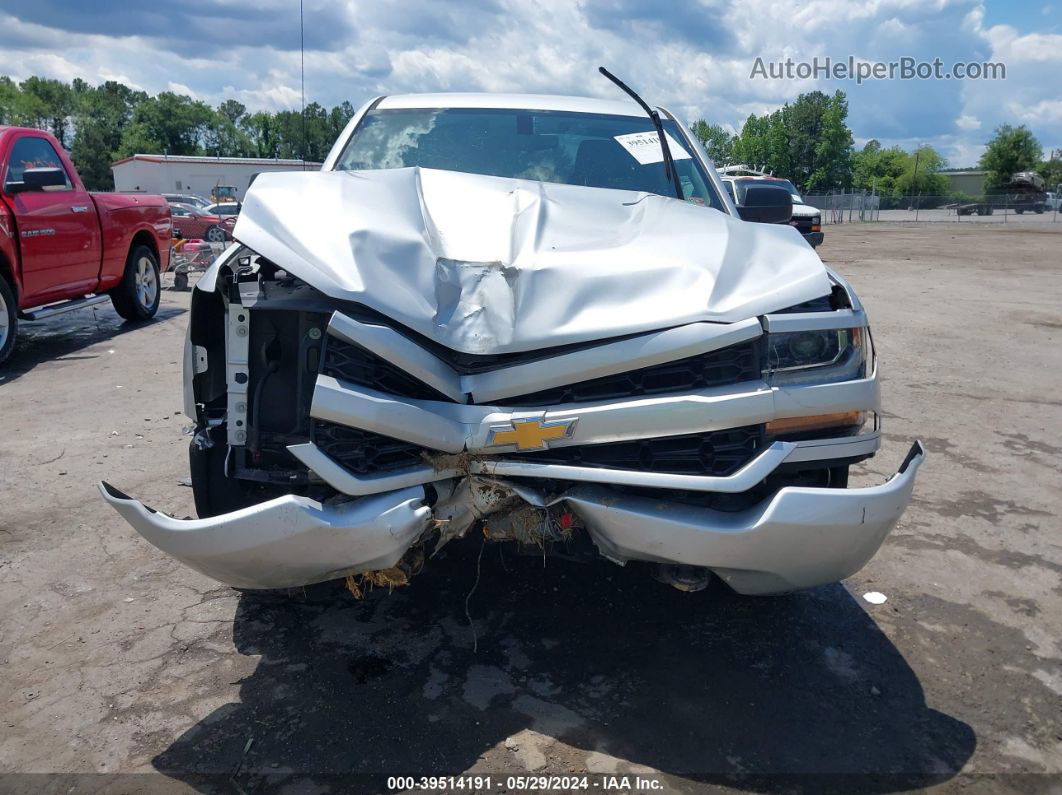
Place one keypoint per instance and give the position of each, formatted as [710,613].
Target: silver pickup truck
[501,314]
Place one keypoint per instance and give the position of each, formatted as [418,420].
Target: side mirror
[39,179]
[767,204]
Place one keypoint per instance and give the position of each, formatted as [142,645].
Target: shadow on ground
[65,336]
[773,694]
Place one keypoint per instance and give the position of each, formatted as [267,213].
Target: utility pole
[914,178]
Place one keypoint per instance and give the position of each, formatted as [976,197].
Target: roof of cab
[612,107]
[759,177]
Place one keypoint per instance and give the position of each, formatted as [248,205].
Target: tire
[180,281]
[137,296]
[1019,211]
[8,320]
[216,234]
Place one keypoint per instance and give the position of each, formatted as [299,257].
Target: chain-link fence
[861,206]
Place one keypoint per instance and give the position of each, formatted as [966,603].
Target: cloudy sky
[692,56]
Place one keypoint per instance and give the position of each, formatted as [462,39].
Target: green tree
[100,124]
[102,115]
[288,129]
[260,129]
[808,141]
[1051,170]
[9,99]
[893,172]
[750,146]
[833,151]
[920,174]
[178,124]
[21,108]
[338,118]
[1011,149]
[779,146]
[137,138]
[716,141]
[223,136]
[232,110]
[54,104]
[805,131]
[876,169]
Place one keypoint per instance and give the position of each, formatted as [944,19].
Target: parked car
[187,198]
[1054,201]
[806,219]
[224,209]
[63,248]
[514,318]
[191,222]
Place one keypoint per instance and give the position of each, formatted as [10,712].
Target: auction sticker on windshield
[645,147]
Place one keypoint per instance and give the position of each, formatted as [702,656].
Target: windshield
[789,186]
[595,150]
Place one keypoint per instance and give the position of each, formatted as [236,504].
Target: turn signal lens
[843,419]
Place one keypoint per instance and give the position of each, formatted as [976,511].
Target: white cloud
[181,88]
[965,122]
[1046,111]
[1007,45]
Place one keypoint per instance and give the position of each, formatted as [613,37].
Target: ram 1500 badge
[492,312]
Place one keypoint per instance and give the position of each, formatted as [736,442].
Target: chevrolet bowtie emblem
[530,434]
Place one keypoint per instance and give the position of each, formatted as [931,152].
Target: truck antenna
[302,79]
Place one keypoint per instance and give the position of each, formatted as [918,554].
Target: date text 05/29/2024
[572,783]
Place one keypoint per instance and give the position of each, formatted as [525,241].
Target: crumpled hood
[493,265]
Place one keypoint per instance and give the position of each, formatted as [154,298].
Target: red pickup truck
[63,248]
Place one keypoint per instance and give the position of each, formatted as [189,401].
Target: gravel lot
[114,659]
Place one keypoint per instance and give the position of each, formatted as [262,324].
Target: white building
[196,175]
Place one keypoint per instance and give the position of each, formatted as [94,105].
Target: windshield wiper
[669,161]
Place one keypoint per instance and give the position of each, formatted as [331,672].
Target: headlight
[816,357]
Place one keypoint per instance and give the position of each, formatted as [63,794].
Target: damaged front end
[331,442]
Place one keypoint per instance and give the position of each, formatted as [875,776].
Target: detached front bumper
[288,541]
[798,538]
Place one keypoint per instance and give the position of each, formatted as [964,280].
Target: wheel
[1019,211]
[8,319]
[215,234]
[137,296]
[1039,210]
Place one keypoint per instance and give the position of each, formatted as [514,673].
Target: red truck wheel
[137,296]
[8,319]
